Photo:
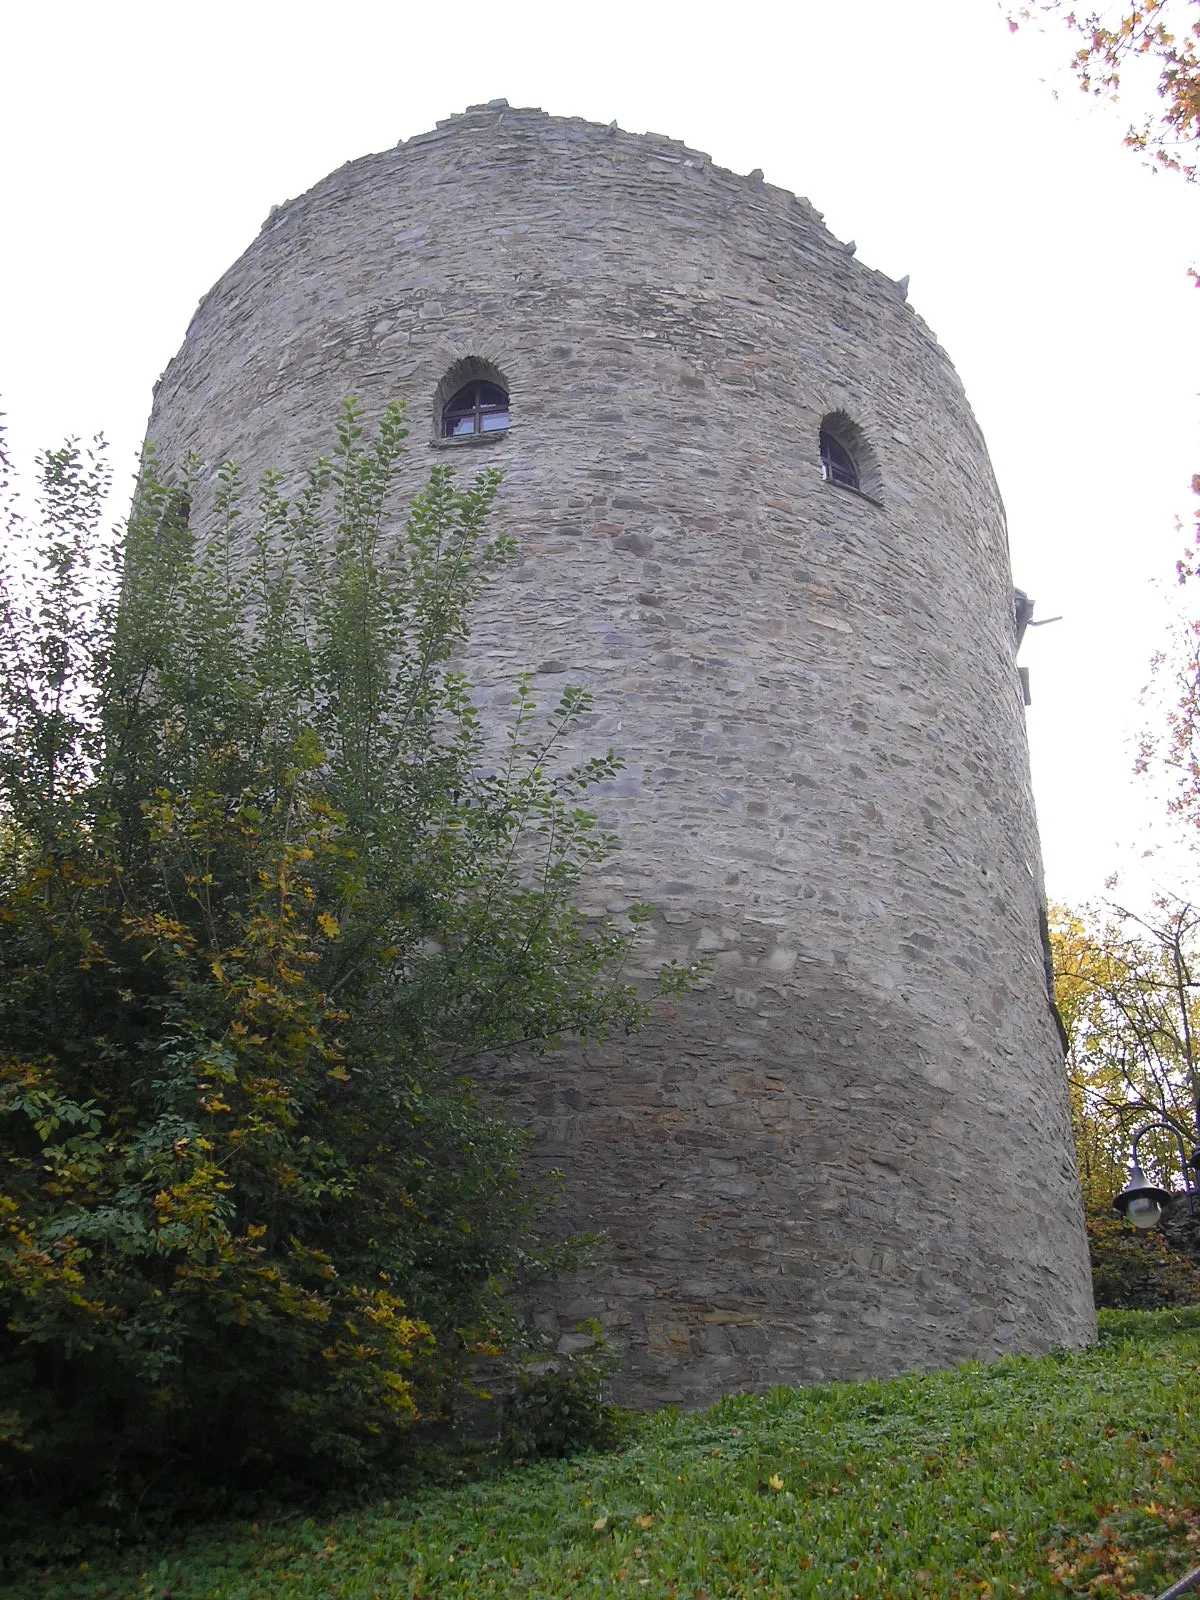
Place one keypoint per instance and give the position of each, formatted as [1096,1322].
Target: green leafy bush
[1135,1271]
[265,900]
[555,1405]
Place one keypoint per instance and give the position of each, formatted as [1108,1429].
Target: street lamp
[1141,1202]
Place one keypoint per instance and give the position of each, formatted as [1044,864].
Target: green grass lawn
[1069,1475]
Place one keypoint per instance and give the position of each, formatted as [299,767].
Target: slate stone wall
[849,1153]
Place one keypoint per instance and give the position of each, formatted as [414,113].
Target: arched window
[847,458]
[836,462]
[477,407]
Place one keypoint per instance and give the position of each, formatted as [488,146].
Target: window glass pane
[475,408]
[837,461]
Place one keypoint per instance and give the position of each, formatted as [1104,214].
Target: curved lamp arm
[1188,1163]
[1141,1202]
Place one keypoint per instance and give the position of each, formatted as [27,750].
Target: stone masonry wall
[849,1153]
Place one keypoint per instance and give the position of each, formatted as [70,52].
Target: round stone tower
[757,518]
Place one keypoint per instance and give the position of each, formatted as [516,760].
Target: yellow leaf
[600,1523]
[339,1073]
[328,925]
[776,1482]
[646,1521]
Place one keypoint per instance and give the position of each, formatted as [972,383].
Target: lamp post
[1140,1201]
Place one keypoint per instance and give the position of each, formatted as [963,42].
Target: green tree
[1128,991]
[268,894]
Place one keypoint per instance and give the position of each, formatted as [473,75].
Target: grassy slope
[1030,1477]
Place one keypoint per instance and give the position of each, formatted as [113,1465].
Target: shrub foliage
[265,899]
[1134,1271]
[555,1405]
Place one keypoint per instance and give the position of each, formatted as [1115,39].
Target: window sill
[471,441]
[859,494]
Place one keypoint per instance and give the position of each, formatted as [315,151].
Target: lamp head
[1140,1202]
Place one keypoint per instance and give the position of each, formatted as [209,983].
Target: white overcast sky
[144,144]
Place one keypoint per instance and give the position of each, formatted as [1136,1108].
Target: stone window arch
[847,458]
[471,401]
